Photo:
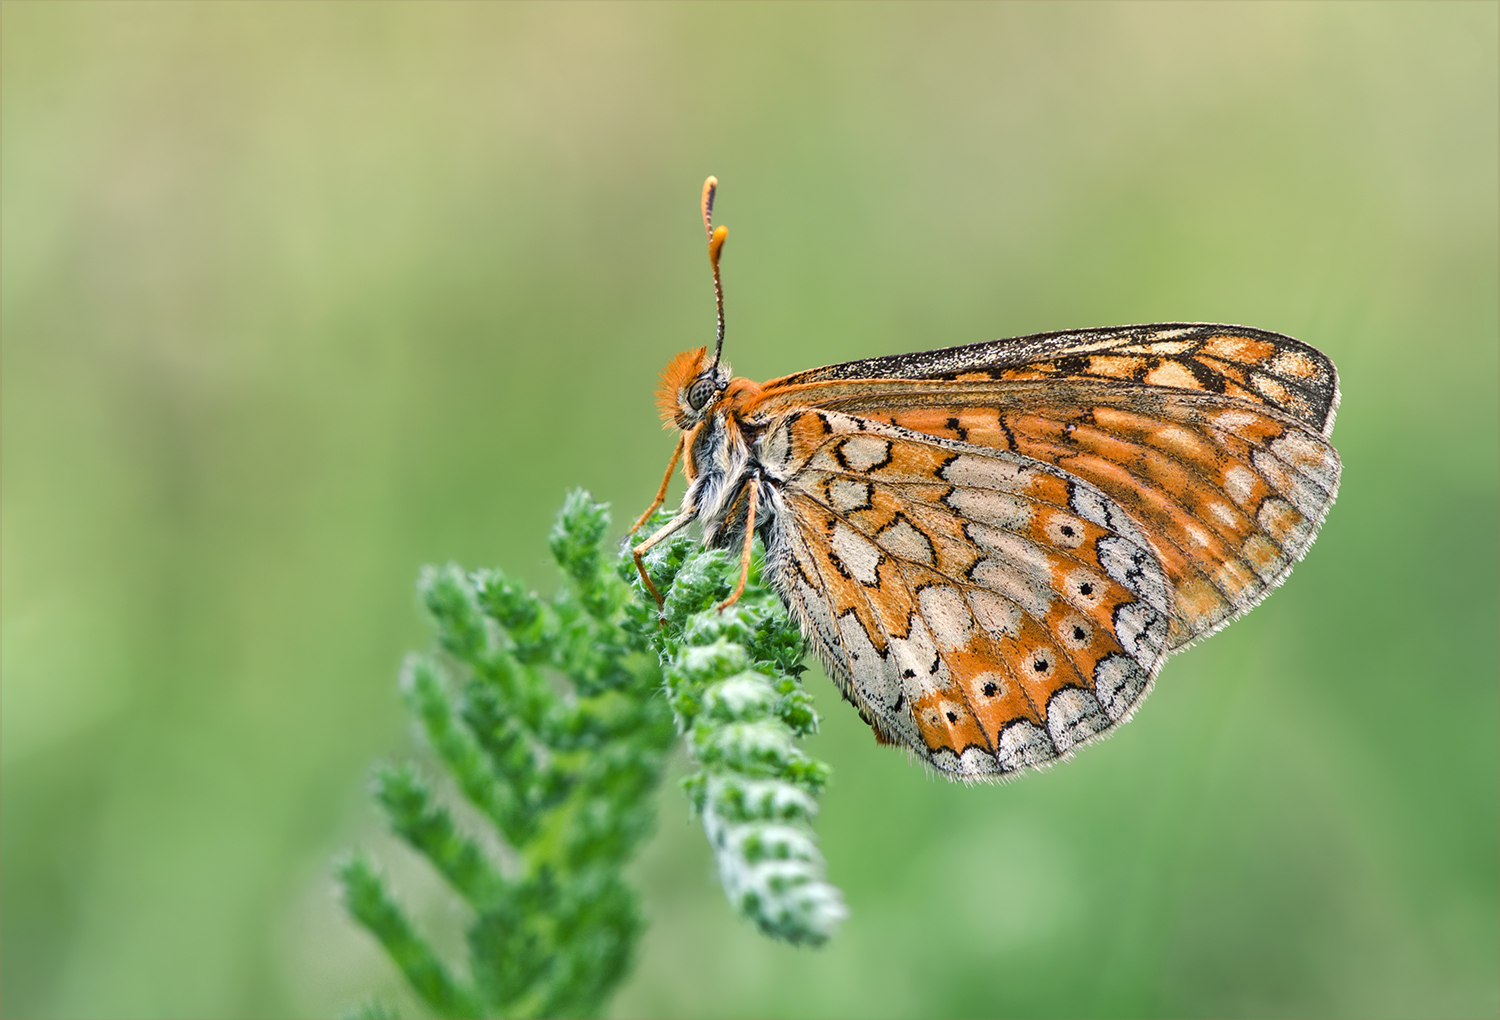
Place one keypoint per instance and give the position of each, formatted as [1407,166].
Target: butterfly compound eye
[699,392]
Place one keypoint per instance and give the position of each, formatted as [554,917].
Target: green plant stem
[549,715]
[733,680]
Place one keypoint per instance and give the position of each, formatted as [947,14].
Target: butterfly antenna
[715,246]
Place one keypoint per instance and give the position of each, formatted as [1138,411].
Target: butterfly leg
[676,524]
[739,589]
[661,493]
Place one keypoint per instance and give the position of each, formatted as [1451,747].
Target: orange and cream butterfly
[994,548]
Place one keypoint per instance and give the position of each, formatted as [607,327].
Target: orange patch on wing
[1183,443]
[1042,667]
[1171,373]
[934,421]
[1295,364]
[978,419]
[990,687]
[1234,578]
[945,721]
[808,431]
[1224,368]
[1185,482]
[967,424]
[1247,428]
[1143,500]
[1263,554]
[1115,366]
[1280,519]
[1180,441]
[1019,692]
[1271,388]
[1197,602]
[1049,488]
[891,599]
[995,695]
[1232,389]
[1190,550]
[1082,639]
[1242,349]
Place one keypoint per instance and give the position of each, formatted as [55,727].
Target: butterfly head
[691,385]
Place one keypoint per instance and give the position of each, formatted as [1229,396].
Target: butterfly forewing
[1248,365]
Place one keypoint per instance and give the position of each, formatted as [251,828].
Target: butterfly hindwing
[983,608]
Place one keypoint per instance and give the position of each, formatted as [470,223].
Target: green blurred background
[297,298]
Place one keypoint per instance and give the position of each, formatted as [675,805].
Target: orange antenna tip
[710,186]
[715,245]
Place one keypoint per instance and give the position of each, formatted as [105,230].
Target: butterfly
[993,548]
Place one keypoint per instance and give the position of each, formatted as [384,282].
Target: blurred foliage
[296,298]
